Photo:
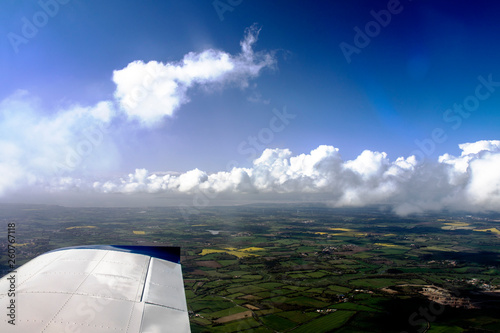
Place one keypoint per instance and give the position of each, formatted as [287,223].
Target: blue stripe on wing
[170,253]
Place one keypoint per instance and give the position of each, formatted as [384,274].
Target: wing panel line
[166,306]
[38,271]
[62,307]
[145,279]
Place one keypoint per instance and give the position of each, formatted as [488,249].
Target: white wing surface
[96,289]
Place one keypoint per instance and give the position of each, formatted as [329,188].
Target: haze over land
[229,110]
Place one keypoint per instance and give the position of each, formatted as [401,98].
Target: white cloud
[151,91]
[371,178]
[35,149]
[479,146]
[483,189]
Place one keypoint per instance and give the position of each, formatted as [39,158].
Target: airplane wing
[96,289]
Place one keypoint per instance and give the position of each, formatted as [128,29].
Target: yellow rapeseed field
[233,251]
[341,229]
[493,230]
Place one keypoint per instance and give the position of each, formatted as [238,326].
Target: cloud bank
[470,181]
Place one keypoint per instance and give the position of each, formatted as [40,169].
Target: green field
[326,323]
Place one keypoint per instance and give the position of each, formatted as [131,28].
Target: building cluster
[444,297]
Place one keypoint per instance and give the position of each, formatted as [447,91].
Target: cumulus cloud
[151,91]
[470,181]
[476,170]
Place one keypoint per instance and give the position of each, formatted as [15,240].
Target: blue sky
[391,95]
